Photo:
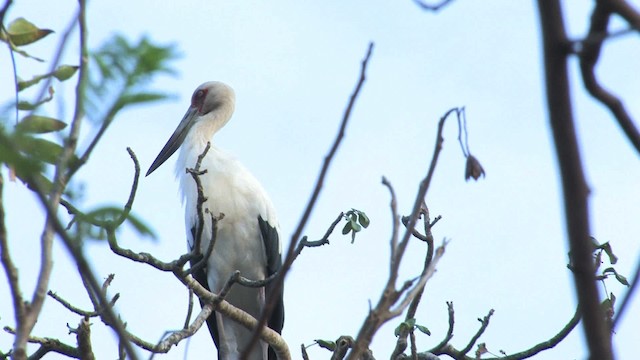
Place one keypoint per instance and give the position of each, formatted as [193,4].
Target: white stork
[247,238]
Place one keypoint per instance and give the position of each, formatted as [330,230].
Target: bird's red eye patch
[198,98]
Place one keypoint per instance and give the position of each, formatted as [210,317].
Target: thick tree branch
[574,185]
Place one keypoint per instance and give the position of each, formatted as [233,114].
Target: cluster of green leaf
[93,224]
[122,73]
[410,325]
[119,71]
[603,274]
[24,150]
[356,220]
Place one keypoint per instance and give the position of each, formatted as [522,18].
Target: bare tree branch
[476,336]
[48,345]
[25,326]
[573,181]
[290,256]
[589,57]
[383,310]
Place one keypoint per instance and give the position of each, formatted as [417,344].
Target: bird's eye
[198,98]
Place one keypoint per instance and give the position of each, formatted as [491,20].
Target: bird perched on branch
[247,237]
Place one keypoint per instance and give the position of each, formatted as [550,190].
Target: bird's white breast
[232,190]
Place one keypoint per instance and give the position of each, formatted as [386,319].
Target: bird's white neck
[200,134]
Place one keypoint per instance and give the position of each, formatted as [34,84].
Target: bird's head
[212,104]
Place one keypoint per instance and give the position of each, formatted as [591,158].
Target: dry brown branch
[574,185]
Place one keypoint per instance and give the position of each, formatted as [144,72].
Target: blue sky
[293,66]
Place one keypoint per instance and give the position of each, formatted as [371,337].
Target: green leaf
[40,149]
[112,213]
[10,155]
[138,98]
[329,345]
[43,184]
[355,226]
[363,219]
[352,216]
[40,124]
[598,259]
[22,32]
[347,228]
[140,226]
[404,327]
[423,329]
[621,279]
[607,249]
[64,72]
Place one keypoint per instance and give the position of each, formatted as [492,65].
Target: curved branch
[589,57]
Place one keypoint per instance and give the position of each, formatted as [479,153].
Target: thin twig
[196,173]
[48,345]
[484,323]
[393,205]
[288,261]
[187,319]
[449,335]
[383,312]
[304,242]
[444,348]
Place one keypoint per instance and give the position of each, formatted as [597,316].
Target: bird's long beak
[176,139]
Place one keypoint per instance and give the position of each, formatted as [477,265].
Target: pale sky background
[293,66]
